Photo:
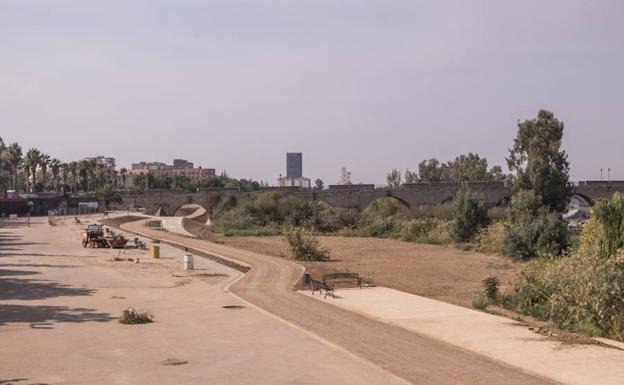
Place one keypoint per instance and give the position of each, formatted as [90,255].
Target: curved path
[406,354]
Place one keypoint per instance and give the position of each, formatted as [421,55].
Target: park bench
[320,286]
[351,279]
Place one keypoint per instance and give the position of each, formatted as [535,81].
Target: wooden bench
[342,278]
[320,286]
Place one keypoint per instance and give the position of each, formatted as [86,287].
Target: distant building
[294,165]
[181,164]
[180,167]
[108,162]
[294,172]
[294,182]
[345,177]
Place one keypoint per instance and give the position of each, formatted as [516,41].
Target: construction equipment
[93,236]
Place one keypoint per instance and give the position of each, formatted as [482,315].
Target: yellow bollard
[155,251]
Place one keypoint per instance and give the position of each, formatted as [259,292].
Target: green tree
[469,167]
[539,162]
[318,184]
[608,214]
[44,162]
[33,160]
[470,216]
[55,167]
[430,170]
[107,195]
[534,230]
[14,157]
[394,179]
[410,177]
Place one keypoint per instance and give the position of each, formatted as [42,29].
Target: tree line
[470,167]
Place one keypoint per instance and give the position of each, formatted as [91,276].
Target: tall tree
[430,170]
[124,174]
[394,179]
[74,170]
[64,172]
[33,159]
[44,162]
[410,177]
[14,157]
[539,162]
[55,167]
[318,184]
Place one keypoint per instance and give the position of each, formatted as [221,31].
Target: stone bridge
[167,202]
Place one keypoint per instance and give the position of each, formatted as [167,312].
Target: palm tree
[64,172]
[55,166]
[14,157]
[44,162]
[108,194]
[33,157]
[26,168]
[100,175]
[74,169]
[124,175]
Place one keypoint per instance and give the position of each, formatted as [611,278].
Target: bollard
[188,262]
[155,251]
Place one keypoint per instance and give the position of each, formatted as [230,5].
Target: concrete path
[496,337]
[59,304]
[412,356]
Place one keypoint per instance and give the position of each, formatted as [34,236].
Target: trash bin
[188,262]
[155,251]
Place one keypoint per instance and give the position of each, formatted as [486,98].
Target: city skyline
[236,85]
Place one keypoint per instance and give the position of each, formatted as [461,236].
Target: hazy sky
[369,85]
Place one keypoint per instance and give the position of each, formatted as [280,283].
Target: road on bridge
[416,358]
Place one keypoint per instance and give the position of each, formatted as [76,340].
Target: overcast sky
[369,85]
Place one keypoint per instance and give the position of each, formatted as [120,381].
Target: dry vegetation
[439,272]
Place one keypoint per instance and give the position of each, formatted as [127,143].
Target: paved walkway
[412,356]
[496,337]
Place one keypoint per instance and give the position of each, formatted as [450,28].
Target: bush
[605,233]
[480,301]
[491,239]
[578,293]
[382,218]
[470,216]
[425,230]
[534,230]
[303,246]
[490,288]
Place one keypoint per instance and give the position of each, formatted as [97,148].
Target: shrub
[491,239]
[606,226]
[479,301]
[302,245]
[382,218]
[490,288]
[470,216]
[425,230]
[534,230]
[578,293]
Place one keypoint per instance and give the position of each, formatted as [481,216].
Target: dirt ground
[438,272]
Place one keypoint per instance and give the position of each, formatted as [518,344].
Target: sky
[366,85]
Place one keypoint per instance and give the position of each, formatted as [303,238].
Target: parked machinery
[93,236]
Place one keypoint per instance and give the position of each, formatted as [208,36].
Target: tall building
[294,172]
[294,165]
